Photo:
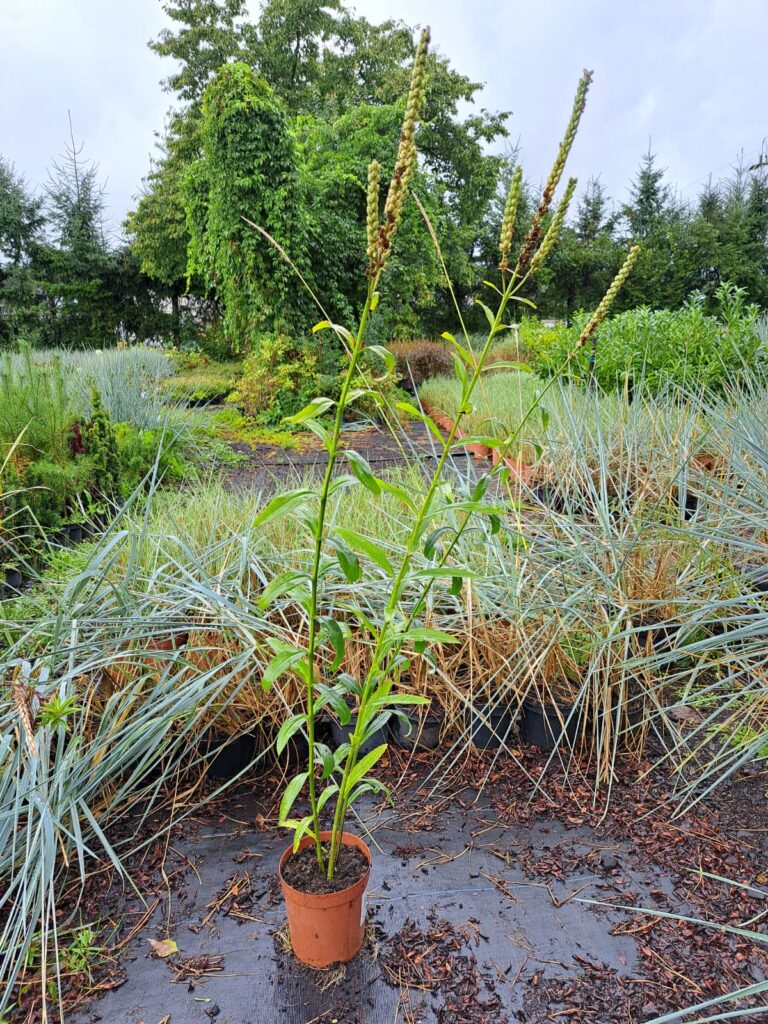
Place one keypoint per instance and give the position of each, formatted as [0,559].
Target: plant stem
[333,449]
[415,534]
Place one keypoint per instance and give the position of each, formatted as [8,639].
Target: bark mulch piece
[197,968]
[440,961]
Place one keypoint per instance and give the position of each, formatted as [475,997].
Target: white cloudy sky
[690,75]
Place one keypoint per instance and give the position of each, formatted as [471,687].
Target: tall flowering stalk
[589,332]
[380,238]
[534,231]
[344,774]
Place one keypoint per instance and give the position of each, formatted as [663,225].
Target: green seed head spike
[554,229]
[510,216]
[609,297]
[532,238]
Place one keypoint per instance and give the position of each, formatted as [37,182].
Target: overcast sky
[690,75]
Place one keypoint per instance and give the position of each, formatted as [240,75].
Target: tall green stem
[413,539]
[333,449]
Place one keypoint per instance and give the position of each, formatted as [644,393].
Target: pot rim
[544,706]
[321,901]
[437,715]
[490,707]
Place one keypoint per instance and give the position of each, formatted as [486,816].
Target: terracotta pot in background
[475,448]
[517,467]
[328,928]
[167,643]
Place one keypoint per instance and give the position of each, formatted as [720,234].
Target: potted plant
[553,709]
[325,870]
[419,727]
[484,674]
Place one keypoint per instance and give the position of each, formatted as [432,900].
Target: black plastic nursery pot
[660,636]
[75,532]
[491,726]
[548,726]
[687,501]
[551,497]
[756,577]
[234,755]
[415,731]
[343,734]
[13,579]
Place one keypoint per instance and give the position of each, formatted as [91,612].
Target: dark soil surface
[301,871]
[265,466]
[486,905]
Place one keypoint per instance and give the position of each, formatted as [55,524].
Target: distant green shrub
[141,450]
[53,490]
[280,376]
[685,348]
[100,443]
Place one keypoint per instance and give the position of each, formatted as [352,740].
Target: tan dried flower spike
[406,158]
[372,221]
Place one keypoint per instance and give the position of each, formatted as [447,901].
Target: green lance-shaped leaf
[282,504]
[300,828]
[419,415]
[287,659]
[347,558]
[286,583]
[363,472]
[388,357]
[364,765]
[288,729]
[325,757]
[334,632]
[317,407]
[333,697]
[292,790]
[368,547]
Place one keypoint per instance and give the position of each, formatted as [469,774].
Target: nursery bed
[266,465]
[475,907]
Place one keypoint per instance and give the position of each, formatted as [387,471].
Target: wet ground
[262,467]
[481,909]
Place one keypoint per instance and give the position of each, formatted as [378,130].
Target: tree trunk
[175,329]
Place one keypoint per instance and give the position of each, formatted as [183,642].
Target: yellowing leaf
[163,947]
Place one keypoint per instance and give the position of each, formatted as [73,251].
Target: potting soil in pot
[301,871]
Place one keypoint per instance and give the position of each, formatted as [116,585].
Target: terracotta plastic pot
[328,928]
